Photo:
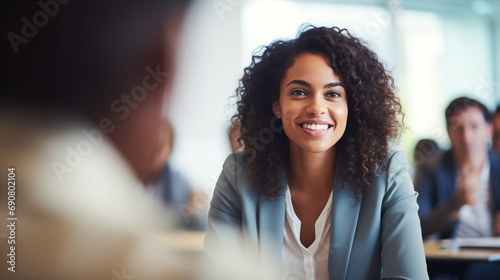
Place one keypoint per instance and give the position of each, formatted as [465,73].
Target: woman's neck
[311,171]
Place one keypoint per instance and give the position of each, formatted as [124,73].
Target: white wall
[209,68]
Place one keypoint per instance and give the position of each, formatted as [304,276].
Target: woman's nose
[316,105]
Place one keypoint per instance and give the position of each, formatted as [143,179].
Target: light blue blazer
[377,238]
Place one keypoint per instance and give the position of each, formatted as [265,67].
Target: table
[188,241]
[464,263]
[192,241]
[433,251]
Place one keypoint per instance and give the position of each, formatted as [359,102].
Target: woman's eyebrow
[300,82]
[306,84]
[334,85]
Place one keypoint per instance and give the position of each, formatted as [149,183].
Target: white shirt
[476,221]
[299,262]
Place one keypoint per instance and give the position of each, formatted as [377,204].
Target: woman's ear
[277,109]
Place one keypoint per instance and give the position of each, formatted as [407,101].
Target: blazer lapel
[272,218]
[344,218]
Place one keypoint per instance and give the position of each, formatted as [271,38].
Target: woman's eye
[298,92]
[332,94]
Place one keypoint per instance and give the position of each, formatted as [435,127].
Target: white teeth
[316,127]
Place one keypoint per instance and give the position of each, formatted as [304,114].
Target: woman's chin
[317,149]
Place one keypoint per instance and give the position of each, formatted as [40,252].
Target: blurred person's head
[469,128]
[234,134]
[496,130]
[424,149]
[111,62]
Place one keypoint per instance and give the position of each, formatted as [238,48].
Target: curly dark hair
[375,115]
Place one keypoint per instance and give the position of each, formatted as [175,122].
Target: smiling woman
[325,198]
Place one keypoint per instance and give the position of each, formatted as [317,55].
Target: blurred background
[436,50]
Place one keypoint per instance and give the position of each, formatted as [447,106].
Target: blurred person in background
[460,191]
[317,193]
[173,189]
[84,84]
[426,150]
[496,131]
[234,133]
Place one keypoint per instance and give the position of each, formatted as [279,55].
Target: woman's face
[312,104]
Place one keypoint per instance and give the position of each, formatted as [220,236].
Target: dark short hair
[462,103]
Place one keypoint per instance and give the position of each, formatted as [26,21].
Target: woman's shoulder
[395,158]
[235,174]
[234,164]
[392,182]
[397,171]
[394,167]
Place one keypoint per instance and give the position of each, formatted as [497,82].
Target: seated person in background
[173,189]
[496,131]
[234,134]
[460,192]
[425,151]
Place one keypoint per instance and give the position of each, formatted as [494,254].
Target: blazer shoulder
[394,186]
[392,167]
[396,171]
[235,172]
[234,165]
[395,158]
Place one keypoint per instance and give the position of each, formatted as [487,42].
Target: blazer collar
[271,217]
[344,219]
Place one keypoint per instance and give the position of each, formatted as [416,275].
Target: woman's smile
[315,128]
